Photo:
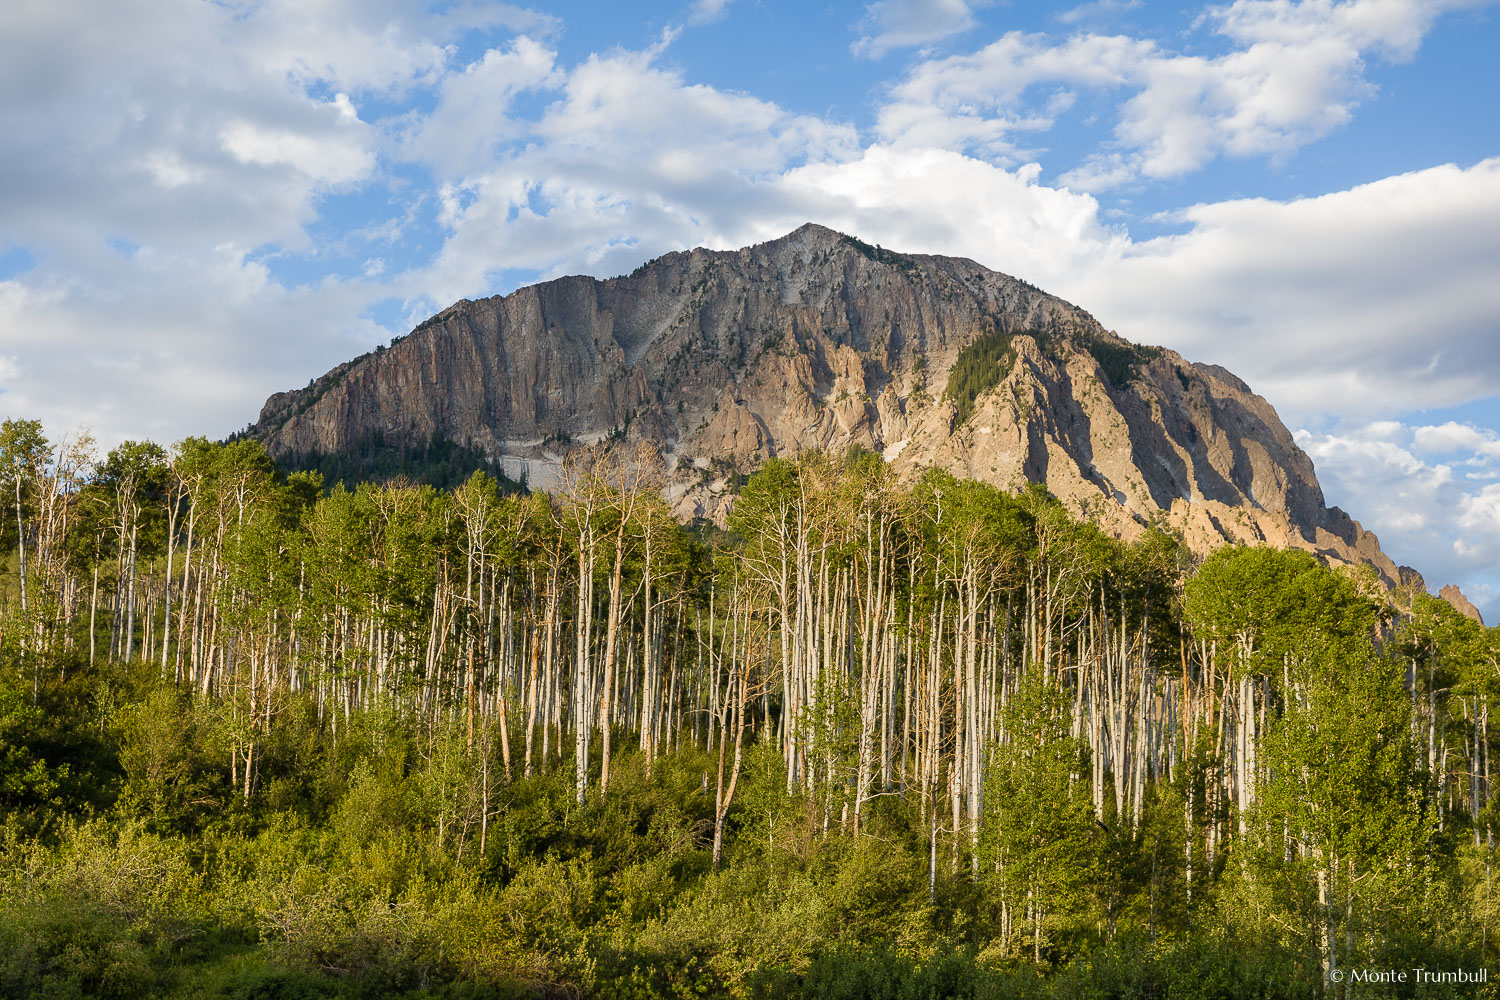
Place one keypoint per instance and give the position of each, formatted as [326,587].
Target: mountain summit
[820,340]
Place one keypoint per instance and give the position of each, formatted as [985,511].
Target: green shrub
[60,949]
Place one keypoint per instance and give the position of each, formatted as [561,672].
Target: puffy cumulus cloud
[148,124]
[630,161]
[977,101]
[1268,99]
[623,107]
[1378,299]
[157,154]
[145,95]
[896,24]
[939,201]
[474,118]
[1293,73]
[1404,482]
[1454,436]
[1480,512]
[1391,27]
[384,46]
[320,153]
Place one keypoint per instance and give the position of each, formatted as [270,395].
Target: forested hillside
[875,739]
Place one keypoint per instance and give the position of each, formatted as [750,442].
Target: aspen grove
[934,728]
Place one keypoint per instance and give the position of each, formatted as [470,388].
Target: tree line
[1089,738]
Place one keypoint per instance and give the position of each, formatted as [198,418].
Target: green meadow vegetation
[871,739]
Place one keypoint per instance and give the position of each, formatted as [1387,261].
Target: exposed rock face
[1460,603]
[817,340]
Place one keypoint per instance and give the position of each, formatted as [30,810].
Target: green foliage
[70,949]
[1278,608]
[1342,837]
[1043,849]
[382,845]
[881,973]
[348,888]
[27,780]
[437,461]
[23,449]
[160,753]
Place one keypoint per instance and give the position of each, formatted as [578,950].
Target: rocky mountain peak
[818,339]
[1460,603]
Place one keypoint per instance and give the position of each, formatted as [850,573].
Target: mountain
[819,340]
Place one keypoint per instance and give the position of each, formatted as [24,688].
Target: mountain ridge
[817,339]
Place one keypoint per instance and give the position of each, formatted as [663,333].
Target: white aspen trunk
[532,696]
[130,599]
[21,547]
[166,614]
[725,797]
[1326,935]
[583,668]
[93,611]
[611,642]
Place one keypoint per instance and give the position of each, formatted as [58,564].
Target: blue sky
[204,203]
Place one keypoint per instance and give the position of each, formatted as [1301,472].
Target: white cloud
[1098,173]
[708,11]
[1098,10]
[156,152]
[1480,513]
[895,24]
[183,124]
[329,156]
[385,46]
[1448,527]
[1394,28]
[1376,299]
[1453,437]
[176,345]
[631,161]
[975,101]
[1294,73]
[474,119]
[939,201]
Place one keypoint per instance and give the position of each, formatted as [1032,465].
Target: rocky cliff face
[1460,603]
[818,340]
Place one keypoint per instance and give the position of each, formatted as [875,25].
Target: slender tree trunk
[130,598]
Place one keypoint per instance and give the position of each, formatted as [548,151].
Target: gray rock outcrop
[818,340]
